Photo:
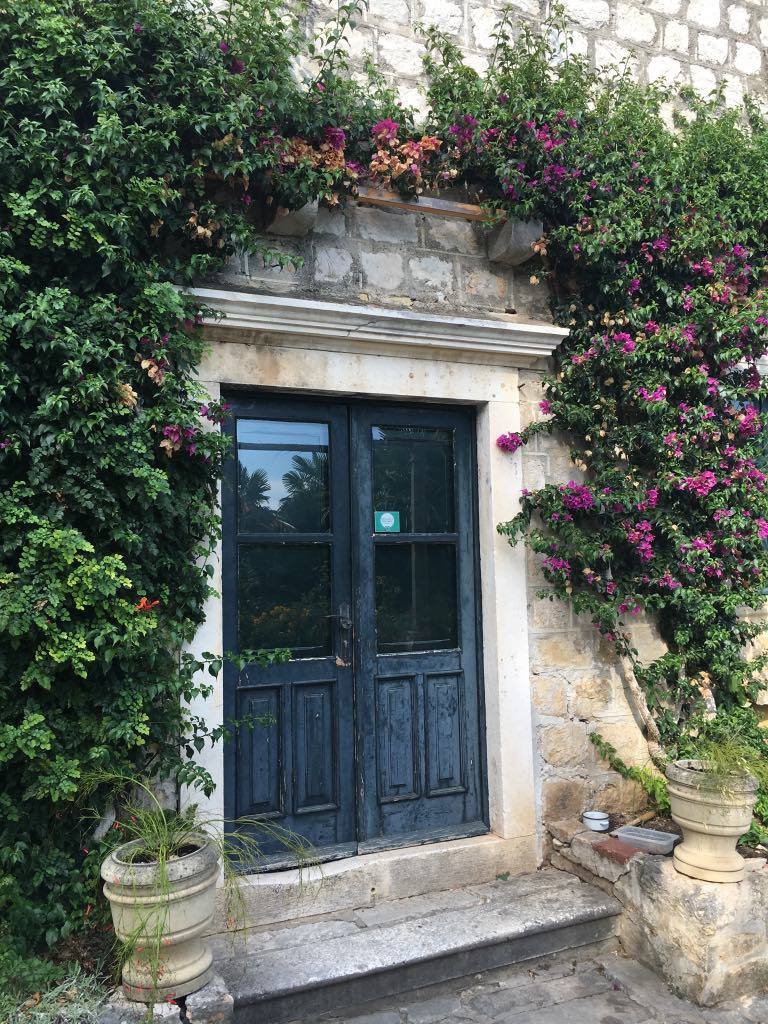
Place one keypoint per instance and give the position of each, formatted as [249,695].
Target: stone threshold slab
[288,973]
[369,879]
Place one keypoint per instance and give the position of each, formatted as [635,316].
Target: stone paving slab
[561,989]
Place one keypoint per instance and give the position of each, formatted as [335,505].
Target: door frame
[242,397]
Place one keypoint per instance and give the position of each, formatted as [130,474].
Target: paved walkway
[608,989]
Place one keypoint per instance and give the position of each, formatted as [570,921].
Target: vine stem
[640,704]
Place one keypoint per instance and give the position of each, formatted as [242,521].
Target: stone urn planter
[713,813]
[161,913]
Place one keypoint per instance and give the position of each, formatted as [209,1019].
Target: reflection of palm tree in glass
[305,505]
[254,488]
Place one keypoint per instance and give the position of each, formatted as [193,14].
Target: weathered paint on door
[349,537]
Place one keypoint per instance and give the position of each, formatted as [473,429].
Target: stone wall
[367,255]
[576,682]
[696,42]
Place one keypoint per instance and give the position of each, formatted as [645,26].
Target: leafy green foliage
[141,141]
[656,248]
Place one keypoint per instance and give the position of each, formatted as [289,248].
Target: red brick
[616,850]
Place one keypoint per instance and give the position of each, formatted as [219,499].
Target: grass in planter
[162,837]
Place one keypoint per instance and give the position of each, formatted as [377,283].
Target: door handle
[344,616]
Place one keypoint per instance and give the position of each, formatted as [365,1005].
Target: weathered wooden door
[349,538]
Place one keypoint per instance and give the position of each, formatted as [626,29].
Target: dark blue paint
[366,749]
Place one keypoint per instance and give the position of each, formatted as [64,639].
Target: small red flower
[146,605]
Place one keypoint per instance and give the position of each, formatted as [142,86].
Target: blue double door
[349,538]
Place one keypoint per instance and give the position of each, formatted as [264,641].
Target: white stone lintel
[516,342]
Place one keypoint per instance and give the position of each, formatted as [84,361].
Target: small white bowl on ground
[597,821]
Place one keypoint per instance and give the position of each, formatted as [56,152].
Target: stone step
[326,963]
[275,897]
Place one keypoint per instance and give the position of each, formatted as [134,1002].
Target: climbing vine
[655,245]
[141,143]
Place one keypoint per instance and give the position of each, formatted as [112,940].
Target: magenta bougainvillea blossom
[509,442]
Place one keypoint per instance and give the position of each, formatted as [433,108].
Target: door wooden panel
[397,738]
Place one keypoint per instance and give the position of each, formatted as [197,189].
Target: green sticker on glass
[387,522]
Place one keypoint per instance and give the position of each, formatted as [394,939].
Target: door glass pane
[282,477]
[413,475]
[415,597]
[284,598]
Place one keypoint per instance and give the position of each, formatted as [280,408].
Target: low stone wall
[707,940]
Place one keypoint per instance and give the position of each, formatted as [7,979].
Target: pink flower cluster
[555,564]
[509,442]
[577,497]
[659,395]
[640,536]
[700,485]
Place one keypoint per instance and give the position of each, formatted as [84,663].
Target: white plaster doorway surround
[307,347]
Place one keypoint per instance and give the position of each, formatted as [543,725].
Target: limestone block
[589,13]
[386,225]
[708,941]
[565,829]
[676,36]
[668,7]
[663,67]
[572,649]
[713,49]
[609,53]
[119,1010]
[563,798]
[592,694]
[400,54]
[565,745]
[635,24]
[483,287]
[748,59]
[549,694]
[331,222]
[211,1004]
[738,19]
[628,740]
[511,242]
[452,235]
[331,264]
[446,15]
[531,299]
[382,270]
[705,13]
[619,796]
[733,92]
[393,11]
[431,272]
[647,640]
[546,613]
[702,79]
[585,851]
[294,223]
[484,21]
[562,863]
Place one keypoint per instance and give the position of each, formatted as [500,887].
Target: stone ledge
[211,1004]
[708,940]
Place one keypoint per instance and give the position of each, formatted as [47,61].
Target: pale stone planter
[163,922]
[713,817]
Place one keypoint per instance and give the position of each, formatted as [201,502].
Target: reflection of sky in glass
[270,445]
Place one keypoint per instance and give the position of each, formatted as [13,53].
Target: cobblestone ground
[608,989]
